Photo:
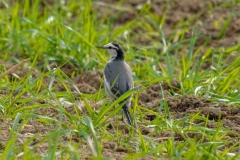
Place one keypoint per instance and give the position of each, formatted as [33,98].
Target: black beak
[100,47]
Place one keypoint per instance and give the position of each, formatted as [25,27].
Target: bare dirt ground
[91,81]
[151,99]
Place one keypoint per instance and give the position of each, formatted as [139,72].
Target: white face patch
[111,49]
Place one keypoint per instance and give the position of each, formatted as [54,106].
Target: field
[185,59]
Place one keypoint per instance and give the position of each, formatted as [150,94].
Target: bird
[118,77]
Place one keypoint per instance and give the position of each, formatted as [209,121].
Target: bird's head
[114,50]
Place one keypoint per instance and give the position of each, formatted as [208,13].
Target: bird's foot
[122,119]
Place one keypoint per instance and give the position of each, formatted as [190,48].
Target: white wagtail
[118,76]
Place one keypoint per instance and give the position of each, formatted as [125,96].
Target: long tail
[126,112]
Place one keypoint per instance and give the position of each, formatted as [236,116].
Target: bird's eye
[110,47]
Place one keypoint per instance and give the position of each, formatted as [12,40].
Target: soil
[183,10]
[179,106]
[151,99]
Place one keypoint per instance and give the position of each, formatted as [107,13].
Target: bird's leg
[122,119]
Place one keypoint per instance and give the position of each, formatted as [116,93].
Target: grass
[66,34]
